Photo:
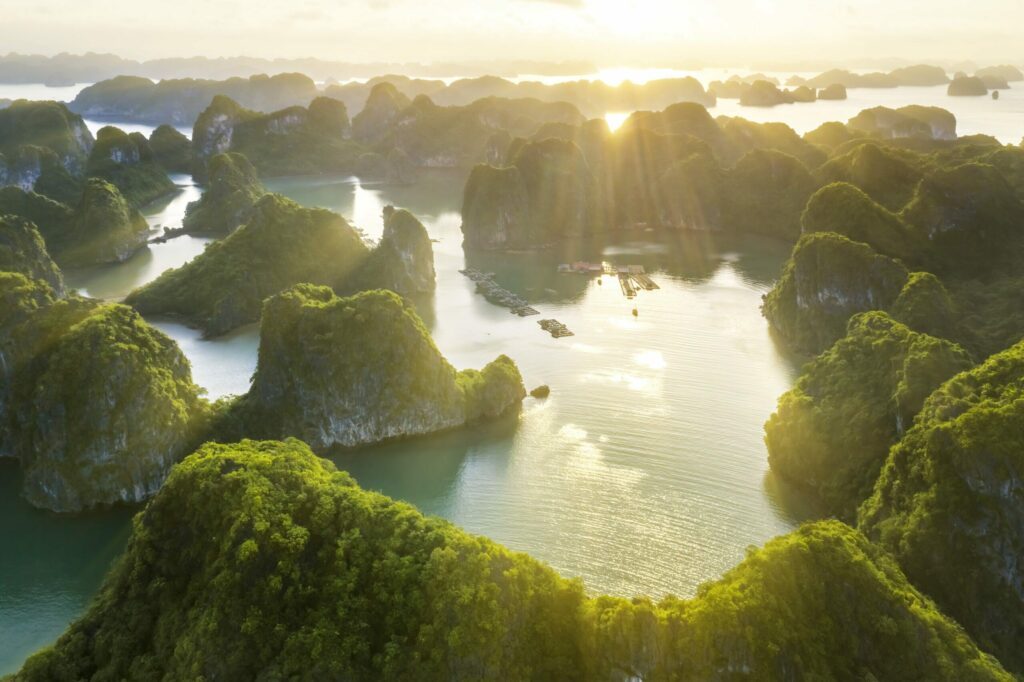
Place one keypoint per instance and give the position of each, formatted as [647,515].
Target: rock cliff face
[214,129]
[292,141]
[99,405]
[308,576]
[432,136]
[832,431]
[102,228]
[906,122]
[282,245]
[49,125]
[496,209]
[948,504]
[105,228]
[548,194]
[825,282]
[127,162]
[345,372]
[232,190]
[382,107]
[38,169]
[181,100]
[23,250]
[403,262]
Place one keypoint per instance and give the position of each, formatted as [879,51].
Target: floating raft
[497,294]
[555,328]
[626,283]
[632,278]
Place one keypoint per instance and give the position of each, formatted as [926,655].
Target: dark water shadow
[795,505]
[425,471]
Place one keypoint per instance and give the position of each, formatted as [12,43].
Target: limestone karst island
[512,341]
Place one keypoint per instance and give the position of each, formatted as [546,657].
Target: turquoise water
[50,567]
[643,472]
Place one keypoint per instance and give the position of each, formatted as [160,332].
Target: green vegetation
[993,310]
[232,190]
[925,306]
[947,503]
[98,404]
[40,170]
[689,195]
[495,212]
[104,413]
[292,141]
[826,281]
[970,215]
[22,250]
[403,261]
[214,130]
[844,209]
[548,193]
[831,135]
[675,169]
[171,149]
[382,107]
[887,175]
[353,371]
[21,299]
[258,560]
[48,125]
[1010,162]
[282,245]
[52,218]
[765,193]
[102,228]
[127,162]
[456,137]
[180,100]
[832,431]
[105,228]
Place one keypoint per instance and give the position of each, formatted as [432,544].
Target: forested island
[252,557]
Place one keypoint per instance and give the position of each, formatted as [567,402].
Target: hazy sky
[607,32]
